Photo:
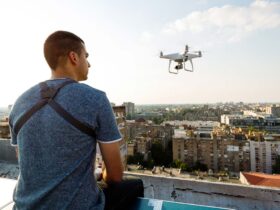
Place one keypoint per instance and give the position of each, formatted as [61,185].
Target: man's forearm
[111,179]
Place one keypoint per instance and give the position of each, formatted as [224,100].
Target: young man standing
[55,126]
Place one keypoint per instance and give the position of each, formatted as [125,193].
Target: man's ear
[73,57]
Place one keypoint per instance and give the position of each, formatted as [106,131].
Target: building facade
[218,153]
[263,155]
[129,108]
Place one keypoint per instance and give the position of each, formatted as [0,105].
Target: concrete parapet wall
[209,193]
[7,152]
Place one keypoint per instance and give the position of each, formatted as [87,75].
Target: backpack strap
[72,120]
[26,116]
[47,97]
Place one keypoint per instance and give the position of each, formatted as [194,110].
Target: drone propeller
[186,49]
[199,52]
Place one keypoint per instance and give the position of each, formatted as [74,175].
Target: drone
[181,59]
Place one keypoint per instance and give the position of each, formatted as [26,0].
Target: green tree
[157,153]
[130,159]
[150,163]
[138,158]
[200,166]
[185,167]
[157,120]
[276,166]
[177,163]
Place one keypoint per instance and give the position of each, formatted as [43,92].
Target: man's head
[65,51]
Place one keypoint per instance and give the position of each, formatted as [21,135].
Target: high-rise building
[129,108]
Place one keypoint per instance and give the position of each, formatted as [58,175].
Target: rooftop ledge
[201,192]
[169,193]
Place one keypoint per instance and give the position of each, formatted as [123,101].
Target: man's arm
[112,159]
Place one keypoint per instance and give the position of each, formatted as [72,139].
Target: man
[55,126]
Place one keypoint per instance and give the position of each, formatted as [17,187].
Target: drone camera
[179,66]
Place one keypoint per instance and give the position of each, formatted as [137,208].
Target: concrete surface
[208,193]
[6,192]
[7,152]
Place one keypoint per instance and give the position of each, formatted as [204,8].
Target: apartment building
[218,153]
[273,110]
[263,153]
[129,108]
[142,128]
[4,129]
[260,121]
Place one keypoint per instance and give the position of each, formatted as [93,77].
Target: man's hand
[111,156]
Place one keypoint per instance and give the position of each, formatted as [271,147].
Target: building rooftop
[262,179]
[180,133]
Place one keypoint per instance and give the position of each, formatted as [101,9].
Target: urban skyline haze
[238,39]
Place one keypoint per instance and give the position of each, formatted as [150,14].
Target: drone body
[181,59]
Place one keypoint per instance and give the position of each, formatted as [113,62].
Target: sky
[239,40]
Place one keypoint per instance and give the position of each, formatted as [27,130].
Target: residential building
[131,148]
[142,128]
[4,130]
[129,108]
[273,110]
[219,153]
[259,121]
[263,154]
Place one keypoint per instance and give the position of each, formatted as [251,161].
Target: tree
[137,158]
[150,163]
[276,166]
[157,153]
[129,117]
[185,167]
[200,166]
[157,120]
[177,163]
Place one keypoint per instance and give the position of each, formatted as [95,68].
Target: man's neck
[57,74]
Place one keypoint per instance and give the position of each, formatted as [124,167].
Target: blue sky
[239,40]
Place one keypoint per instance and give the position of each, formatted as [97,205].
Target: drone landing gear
[172,72]
[190,70]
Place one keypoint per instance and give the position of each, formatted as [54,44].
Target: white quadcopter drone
[181,59]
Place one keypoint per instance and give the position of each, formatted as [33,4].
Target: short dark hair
[59,44]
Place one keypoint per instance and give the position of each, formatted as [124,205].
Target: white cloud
[229,22]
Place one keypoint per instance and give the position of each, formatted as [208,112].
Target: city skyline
[238,40]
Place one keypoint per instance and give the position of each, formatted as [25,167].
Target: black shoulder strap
[47,97]
[72,120]
[26,116]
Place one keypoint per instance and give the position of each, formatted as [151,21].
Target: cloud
[229,22]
